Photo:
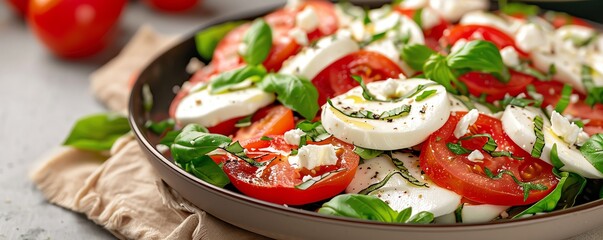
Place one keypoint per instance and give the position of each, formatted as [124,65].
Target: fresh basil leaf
[194,142]
[226,80]
[396,112]
[266,138]
[207,170]
[360,207]
[416,55]
[207,39]
[592,150]
[244,122]
[539,143]
[366,153]
[594,93]
[160,127]
[457,149]
[97,132]
[417,17]
[425,94]
[564,101]
[436,68]
[169,137]
[236,149]
[520,9]
[294,92]
[404,172]
[481,56]
[526,186]
[313,130]
[366,93]
[563,196]
[422,217]
[258,42]
[370,208]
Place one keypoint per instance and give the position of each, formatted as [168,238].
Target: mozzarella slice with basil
[209,110]
[518,123]
[399,192]
[402,129]
[313,59]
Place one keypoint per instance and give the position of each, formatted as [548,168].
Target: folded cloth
[93,183]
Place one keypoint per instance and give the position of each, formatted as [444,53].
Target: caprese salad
[419,111]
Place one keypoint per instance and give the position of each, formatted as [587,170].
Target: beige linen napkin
[121,191]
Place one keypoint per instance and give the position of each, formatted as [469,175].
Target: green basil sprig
[592,150]
[207,170]
[258,40]
[226,80]
[477,55]
[526,186]
[594,93]
[294,92]
[366,153]
[314,131]
[195,141]
[519,8]
[371,208]
[97,132]
[207,40]
[563,196]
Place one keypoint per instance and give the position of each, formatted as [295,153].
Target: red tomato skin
[484,83]
[19,6]
[469,32]
[172,5]
[279,187]
[74,28]
[466,178]
[271,120]
[337,77]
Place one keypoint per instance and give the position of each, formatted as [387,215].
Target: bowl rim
[139,130]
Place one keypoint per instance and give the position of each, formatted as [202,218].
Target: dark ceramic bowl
[278,221]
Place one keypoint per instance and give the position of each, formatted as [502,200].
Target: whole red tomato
[20,6]
[74,28]
[172,5]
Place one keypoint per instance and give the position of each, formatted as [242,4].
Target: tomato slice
[560,19]
[274,120]
[276,181]
[226,56]
[432,35]
[474,32]
[337,77]
[484,83]
[551,92]
[468,178]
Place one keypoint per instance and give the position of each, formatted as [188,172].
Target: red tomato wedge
[432,35]
[484,83]
[551,92]
[274,120]
[226,56]
[337,77]
[468,178]
[474,32]
[277,181]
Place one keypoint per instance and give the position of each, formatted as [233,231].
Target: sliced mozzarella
[414,4]
[424,118]
[388,49]
[510,56]
[429,18]
[398,192]
[481,212]
[453,10]
[567,70]
[307,19]
[208,110]
[530,37]
[506,25]
[518,123]
[314,59]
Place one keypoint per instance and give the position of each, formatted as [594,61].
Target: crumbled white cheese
[311,156]
[299,36]
[358,31]
[530,37]
[565,129]
[466,121]
[293,4]
[429,18]
[475,156]
[509,56]
[293,136]
[574,98]
[242,48]
[582,138]
[307,19]
[390,87]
